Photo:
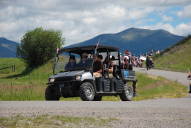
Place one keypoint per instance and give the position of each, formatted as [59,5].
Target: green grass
[31,85]
[47,121]
[150,87]
[177,58]
[23,84]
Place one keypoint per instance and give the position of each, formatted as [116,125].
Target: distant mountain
[138,41]
[7,47]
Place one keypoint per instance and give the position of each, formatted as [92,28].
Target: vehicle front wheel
[127,94]
[52,93]
[87,92]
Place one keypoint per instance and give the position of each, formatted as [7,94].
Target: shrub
[39,45]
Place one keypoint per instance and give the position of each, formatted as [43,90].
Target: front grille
[64,79]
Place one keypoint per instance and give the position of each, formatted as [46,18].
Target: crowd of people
[128,61]
[140,61]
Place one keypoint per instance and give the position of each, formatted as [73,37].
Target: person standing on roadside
[189,78]
[149,62]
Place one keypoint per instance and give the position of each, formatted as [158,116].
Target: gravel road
[174,76]
[158,113]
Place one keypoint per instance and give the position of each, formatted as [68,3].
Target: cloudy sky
[80,20]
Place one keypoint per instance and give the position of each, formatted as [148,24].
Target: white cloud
[12,13]
[89,20]
[80,20]
[167,18]
[186,12]
[180,29]
[112,11]
[139,13]
[184,29]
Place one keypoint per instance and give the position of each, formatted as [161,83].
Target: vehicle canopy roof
[89,49]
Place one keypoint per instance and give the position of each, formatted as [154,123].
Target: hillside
[23,84]
[7,48]
[177,58]
[138,41]
[27,84]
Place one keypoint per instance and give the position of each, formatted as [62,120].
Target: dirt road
[151,113]
[174,76]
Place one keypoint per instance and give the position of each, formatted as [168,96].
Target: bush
[39,45]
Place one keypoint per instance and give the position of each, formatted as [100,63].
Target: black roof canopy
[89,49]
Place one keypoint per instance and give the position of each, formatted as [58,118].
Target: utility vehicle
[80,81]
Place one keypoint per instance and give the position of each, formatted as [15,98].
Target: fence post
[189,87]
[14,68]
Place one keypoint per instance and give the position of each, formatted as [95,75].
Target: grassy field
[23,84]
[150,87]
[47,121]
[27,84]
[177,58]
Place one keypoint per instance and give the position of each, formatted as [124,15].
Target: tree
[39,45]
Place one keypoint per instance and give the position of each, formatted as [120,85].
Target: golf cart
[79,80]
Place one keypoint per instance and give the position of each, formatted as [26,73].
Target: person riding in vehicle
[109,66]
[98,66]
[126,64]
[71,63]
[83,61]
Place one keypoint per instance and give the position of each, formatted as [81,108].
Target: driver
[71,63]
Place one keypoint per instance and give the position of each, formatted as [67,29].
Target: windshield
[71,62]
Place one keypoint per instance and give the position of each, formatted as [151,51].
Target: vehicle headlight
[78,77]
[51,80]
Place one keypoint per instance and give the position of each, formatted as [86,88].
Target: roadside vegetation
[176,58]
[47,121]
[38,46]
[150,87]
[27,84]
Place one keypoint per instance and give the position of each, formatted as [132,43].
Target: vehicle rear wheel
[97,98]
[87,92]
[52,93]
[127,94]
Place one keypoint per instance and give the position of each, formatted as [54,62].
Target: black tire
[127,94]
[52,93]
[97,98]
[87,92]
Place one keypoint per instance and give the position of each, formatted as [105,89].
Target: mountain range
[7,47]
[138,41]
